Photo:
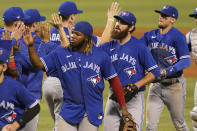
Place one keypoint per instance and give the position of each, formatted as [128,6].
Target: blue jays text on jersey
[14,98]
[131,60]
[167,49]
[81,77]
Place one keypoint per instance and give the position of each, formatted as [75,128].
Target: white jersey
[192,39]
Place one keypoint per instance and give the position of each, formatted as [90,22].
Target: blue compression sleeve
[183,63]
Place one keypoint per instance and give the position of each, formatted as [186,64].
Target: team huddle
[76,63]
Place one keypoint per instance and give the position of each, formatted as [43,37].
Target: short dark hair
[29,24]
[64,17]
[7,23]
[132,29]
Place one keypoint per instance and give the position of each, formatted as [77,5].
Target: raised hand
[56,21]
[6,36]
[16,47]
[18,31]
[113,10]
[27,37]
[45,32]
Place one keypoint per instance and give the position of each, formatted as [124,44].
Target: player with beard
[130,59]
[169,49]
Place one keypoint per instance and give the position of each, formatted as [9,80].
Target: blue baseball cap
[34,16]
[68,8]
[83,27]
[13,14]
[169,11]
[127,17]
[5,49]
[194,14]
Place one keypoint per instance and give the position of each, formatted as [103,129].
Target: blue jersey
[81,77]
[130,60]
[55,42]
[55,37]
[14,98]
[167,49]
[2,30]
[28,75]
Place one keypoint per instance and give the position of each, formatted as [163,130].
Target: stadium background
[95,11]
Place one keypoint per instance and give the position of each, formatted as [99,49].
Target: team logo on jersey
[130,71]
[94,79]
[9,117]
[171,60]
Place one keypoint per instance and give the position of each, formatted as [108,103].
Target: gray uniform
[192,39]
[53,94]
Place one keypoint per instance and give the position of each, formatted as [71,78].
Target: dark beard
[161,27]
[76,47]
[119,36]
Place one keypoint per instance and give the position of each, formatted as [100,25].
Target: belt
[168,82]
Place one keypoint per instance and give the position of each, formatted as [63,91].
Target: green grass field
[165,124]
[95,10]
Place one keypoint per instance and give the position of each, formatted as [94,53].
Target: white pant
[84,125]
[173,96]
[53,94]
[113,112]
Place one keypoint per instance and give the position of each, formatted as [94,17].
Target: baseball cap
[68,7]
[127,17]
[5,49]
[194,14]
[83,27]
[169,11]
[13,14]
[34,16]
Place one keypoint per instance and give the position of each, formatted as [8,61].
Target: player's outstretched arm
[112,11]
[57,22]
[149,77]
[34,58]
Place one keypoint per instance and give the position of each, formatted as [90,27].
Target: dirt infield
[188,72]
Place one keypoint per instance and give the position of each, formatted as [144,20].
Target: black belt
[170,81]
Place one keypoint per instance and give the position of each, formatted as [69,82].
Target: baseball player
[13,18]
[28,76]
[17,105]
[192,43]
[169,48]
[81,68]
[52,89]
[130,59]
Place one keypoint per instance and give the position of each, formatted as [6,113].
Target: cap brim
[193,15]
[42,18]
[79,11]
[120,18]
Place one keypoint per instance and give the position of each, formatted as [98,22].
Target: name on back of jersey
[55,37]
